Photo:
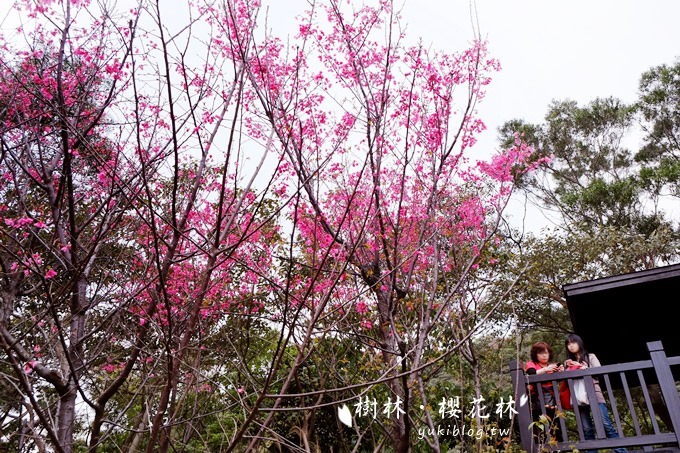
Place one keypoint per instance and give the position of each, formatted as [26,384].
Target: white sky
[556,50]
[549,50]
[579,49]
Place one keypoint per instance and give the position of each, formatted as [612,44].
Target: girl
[579,358]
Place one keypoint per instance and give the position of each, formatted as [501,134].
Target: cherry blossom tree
[123,237]
[196,213]
[375,134]
[64,198]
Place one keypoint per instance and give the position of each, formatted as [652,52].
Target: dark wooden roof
[616,316]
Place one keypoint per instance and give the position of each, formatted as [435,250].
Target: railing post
[519,386]
[667,384]
[594,407]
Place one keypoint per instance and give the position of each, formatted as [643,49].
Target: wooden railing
[636,393]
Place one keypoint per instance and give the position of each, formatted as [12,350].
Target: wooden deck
[642,398]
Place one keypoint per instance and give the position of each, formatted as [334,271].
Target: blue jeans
[589,427]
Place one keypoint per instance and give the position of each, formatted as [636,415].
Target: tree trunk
[66,415]
[394,360]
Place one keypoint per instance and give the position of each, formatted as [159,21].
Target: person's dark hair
[539,347]
[582,352]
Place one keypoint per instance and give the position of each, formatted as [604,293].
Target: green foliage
[557,258]
[590,177]
[659,109]
[611,199]
[659,105]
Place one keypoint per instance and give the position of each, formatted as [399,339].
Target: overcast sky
[554,50]
[578,49]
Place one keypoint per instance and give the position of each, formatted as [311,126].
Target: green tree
[591,179]
[556,258]
[659,109]
[611,200]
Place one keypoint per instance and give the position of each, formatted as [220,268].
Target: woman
[579,359]
[542,363]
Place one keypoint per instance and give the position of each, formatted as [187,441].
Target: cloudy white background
[548,49]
